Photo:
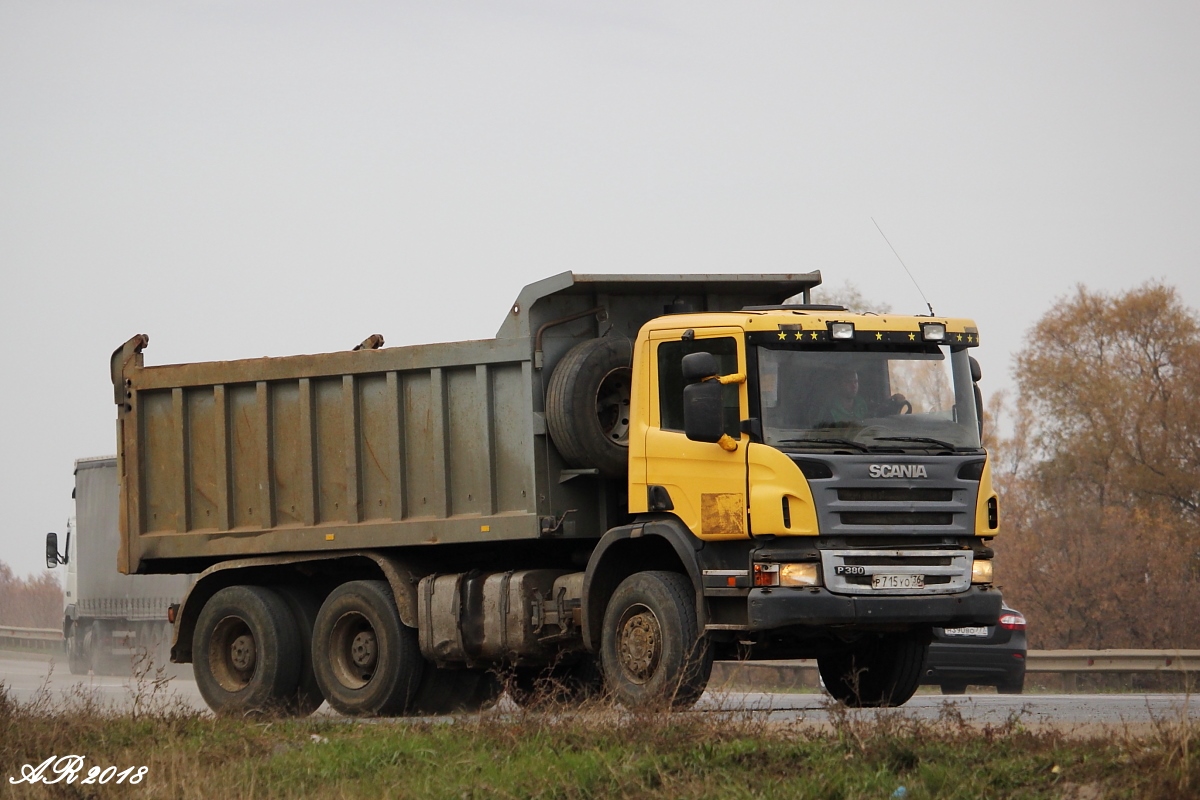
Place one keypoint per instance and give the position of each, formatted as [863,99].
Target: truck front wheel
[246,651]
[876,671]
[367,662]
[651,650]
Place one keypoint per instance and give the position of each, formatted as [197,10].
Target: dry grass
[584,752]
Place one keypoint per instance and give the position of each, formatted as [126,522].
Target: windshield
[912,398]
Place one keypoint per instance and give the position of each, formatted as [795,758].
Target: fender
[606,568]
[68,620]
[401,579]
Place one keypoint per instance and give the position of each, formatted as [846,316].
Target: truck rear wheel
[651,649]
[246,651]
[587,405]
[367,662]
[304,606]
[876,671]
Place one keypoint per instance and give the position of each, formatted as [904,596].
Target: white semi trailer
[109,619]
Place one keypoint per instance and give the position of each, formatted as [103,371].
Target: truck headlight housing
[799,575]
[933,331]
[981,572]
[841,330]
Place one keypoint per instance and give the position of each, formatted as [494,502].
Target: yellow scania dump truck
[639,474]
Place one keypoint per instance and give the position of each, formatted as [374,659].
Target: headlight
[981,572]
[933,331]
[841,330]
[799,575]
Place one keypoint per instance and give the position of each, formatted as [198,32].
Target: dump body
[382,448]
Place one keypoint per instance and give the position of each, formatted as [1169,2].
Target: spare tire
[587,405]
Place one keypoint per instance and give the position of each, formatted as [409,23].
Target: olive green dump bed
[389,447]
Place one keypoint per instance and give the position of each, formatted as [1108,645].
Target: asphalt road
[25,676]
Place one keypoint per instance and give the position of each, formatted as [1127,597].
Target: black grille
[895,495]
[896,518]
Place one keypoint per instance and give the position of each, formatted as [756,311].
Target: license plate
[972,631]
[897,581]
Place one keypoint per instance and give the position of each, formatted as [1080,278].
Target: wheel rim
[232,654]
[612,405]
[639,643]
[353,650]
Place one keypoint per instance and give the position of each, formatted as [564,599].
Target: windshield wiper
[922,439]
[858,445]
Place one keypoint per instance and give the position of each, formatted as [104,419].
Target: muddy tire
[875,672]
[652,652]
[367,662]
[587,405]
[304,606]
[77,663]
[246,651]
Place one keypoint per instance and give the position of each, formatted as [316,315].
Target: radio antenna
[901,260]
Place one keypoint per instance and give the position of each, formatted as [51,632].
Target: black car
[984,655]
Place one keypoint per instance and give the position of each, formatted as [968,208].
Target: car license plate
[972,631]
[897,581]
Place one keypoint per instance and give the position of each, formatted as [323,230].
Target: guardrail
[1068,663]
[31,638]
[1125,661]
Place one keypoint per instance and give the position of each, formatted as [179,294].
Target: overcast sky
[241,179]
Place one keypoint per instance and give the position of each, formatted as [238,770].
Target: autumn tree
[1100,475]
[35,602]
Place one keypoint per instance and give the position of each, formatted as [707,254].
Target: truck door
[706,483]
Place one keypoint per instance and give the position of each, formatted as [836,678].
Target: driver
[844,405]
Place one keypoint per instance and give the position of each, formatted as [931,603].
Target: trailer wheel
[367,662]
[246,651]
[875,672]
[587,405]
[651,649]
[304,606]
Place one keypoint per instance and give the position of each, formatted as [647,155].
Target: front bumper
[980,664]
[782,607]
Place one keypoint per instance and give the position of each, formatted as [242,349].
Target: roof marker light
[933,331]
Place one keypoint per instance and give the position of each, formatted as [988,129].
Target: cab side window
[670,380]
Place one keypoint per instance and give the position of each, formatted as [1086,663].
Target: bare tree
[1100,476]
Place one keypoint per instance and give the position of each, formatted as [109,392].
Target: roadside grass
[592,752]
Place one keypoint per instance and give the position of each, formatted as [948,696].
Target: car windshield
[896,397]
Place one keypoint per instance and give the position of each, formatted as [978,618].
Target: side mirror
[51,550]
[698,366]
[976,373]
[53,558]
[702,412]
